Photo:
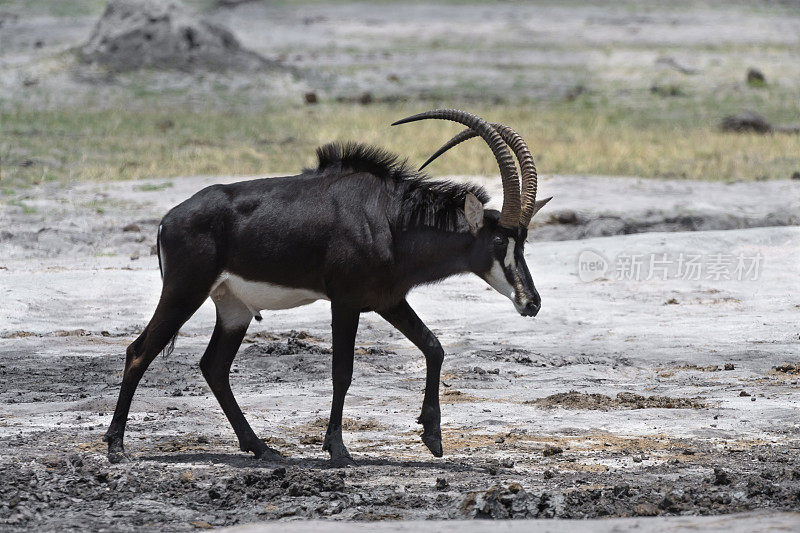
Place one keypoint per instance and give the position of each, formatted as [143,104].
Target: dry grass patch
[567,138]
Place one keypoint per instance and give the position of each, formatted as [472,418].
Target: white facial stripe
[497,279]
[509,260]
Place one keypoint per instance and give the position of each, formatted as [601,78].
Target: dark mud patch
[571,225]
[285,357]
[80,332]
[788,368]
[291,346]
[348,424]
[527,358]
[301,335]
[80,491]
[715,493]
[58,493]
[623,400]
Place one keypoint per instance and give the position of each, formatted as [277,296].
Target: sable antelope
[360,230]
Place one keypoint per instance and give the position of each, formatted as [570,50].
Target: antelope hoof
[342,461]
[433,440]
[262,451]
[116,450]
[269,455]
[340,457]
[118,456]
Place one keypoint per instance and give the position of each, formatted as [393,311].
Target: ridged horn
[527,169]
[511,211]
[526,163]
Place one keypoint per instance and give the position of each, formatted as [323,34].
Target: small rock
[442,483]
[365,98]
[548,474]
[744,393]
[311,439]
[552,450]
[729,366]
[201,524]
[748,121]
[514,487]
[574,93]
[721,477]
[756,78]
[645,509]
[666,90]
[566,216]
[131,227]
[500,440]
[187,477]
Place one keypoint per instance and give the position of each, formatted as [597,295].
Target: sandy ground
[744,522]
[624,397]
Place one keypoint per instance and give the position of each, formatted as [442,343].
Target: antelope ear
[538,204]
[473,211]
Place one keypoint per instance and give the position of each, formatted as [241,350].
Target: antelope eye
[500,241]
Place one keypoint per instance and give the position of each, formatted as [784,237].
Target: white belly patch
[258,295]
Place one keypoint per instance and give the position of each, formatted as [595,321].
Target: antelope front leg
[409,324]
[344,322]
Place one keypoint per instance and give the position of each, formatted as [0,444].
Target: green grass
[150,187]
[651,136]
[27,209]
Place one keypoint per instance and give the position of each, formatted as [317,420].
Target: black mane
[424,201]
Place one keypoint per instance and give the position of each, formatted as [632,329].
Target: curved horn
[527,168]
[510,214]
[524,156]
[459,138]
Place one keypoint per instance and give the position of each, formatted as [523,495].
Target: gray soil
[415,50]
[67,222]
[623,398]
[596,408]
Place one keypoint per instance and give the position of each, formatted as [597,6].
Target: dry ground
[622,398]
[644,397]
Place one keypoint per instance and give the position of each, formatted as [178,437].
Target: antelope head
[497,251]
